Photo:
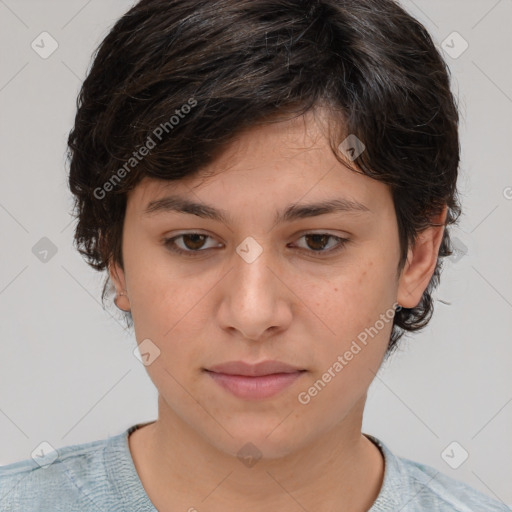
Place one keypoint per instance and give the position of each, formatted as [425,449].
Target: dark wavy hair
[189,75]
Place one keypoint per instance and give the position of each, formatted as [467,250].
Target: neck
[340,470]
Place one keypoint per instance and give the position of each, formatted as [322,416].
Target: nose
[255,300]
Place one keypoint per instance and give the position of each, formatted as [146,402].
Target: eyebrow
[292,212]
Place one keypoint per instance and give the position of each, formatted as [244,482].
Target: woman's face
[257,281]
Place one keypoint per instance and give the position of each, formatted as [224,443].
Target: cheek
[348,297]
[346,362]
[350,307]
[169,306]
[156,287]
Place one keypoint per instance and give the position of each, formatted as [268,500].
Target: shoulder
[410,486]
[70,478]
[448,494]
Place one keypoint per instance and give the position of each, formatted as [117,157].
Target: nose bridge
[252,302]
[252,274]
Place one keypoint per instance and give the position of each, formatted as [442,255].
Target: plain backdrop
[67,370]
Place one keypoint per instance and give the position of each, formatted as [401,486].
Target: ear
[421,263]
[118,278]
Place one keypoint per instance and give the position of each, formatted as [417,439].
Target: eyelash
[170,244]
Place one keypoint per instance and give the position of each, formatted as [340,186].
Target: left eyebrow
[292,212]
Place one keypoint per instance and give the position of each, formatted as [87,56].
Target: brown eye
[194,244]
[196,241]
[189,244]
[317,242]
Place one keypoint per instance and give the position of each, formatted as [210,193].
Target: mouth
[254,381]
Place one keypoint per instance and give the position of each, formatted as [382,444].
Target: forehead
[288,161]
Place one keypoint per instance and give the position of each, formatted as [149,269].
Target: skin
[291,304]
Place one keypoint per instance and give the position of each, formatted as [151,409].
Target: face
[251,284]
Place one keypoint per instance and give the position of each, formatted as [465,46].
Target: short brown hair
[220,66]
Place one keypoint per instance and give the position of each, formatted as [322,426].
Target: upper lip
[253,370]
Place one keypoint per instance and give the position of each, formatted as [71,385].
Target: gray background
[67,371]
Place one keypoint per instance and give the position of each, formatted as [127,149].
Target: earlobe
[421,263]
[117,276]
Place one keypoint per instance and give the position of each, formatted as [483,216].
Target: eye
[194,243]
[317,242]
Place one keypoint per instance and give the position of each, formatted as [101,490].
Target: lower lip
[255,387]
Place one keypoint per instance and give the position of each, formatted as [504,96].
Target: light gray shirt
[100,476]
